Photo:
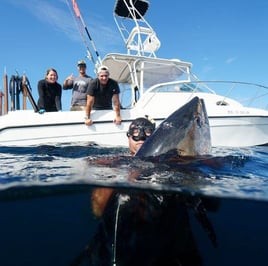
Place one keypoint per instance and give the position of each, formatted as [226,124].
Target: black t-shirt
[103,94]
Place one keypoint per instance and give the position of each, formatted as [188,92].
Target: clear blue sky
[225,40]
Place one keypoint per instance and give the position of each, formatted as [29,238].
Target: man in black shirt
[103,94]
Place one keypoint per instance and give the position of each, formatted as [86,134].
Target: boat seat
[149,45]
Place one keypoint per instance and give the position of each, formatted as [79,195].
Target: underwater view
[91,205]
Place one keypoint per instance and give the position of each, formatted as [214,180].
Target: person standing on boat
[79,85]
[103,94]
[49,91]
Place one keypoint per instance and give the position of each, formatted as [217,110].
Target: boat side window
[190,87]
[178,87]
[165,88]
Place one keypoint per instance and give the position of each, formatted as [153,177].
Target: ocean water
[91,205]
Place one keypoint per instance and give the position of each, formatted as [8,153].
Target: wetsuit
[49,96]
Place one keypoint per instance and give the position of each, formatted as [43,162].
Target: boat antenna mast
[138,35]
[75,11]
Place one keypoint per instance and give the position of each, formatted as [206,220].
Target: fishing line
[76,14]
[121,200]
[89,54]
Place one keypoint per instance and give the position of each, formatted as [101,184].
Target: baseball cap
[81,62]
[102,68]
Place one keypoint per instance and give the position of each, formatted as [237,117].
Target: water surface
[47,214]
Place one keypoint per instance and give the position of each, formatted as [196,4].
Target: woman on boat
[49,91]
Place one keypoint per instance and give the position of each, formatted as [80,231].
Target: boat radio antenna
[81,24]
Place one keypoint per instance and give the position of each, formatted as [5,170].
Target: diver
[143,227]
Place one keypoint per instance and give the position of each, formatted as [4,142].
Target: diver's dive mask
[140,132]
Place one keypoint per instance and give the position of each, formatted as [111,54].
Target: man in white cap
[103,94]
[79,85]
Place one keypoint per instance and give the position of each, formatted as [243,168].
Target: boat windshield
[178,87]
[152,74]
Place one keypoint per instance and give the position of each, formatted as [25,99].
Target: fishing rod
[80,22]
[5,84]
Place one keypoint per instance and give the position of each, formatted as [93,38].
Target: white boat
[149,86]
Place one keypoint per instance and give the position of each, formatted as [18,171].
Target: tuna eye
[198,121]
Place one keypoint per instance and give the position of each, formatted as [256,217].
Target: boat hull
[239,131]
[24,128]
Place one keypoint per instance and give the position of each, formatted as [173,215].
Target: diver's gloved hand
[41,111]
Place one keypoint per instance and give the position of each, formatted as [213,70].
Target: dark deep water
[212,212]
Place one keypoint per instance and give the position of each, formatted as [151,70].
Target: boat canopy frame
[137,34]
[140,73]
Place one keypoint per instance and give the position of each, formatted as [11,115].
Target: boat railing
[247,93]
